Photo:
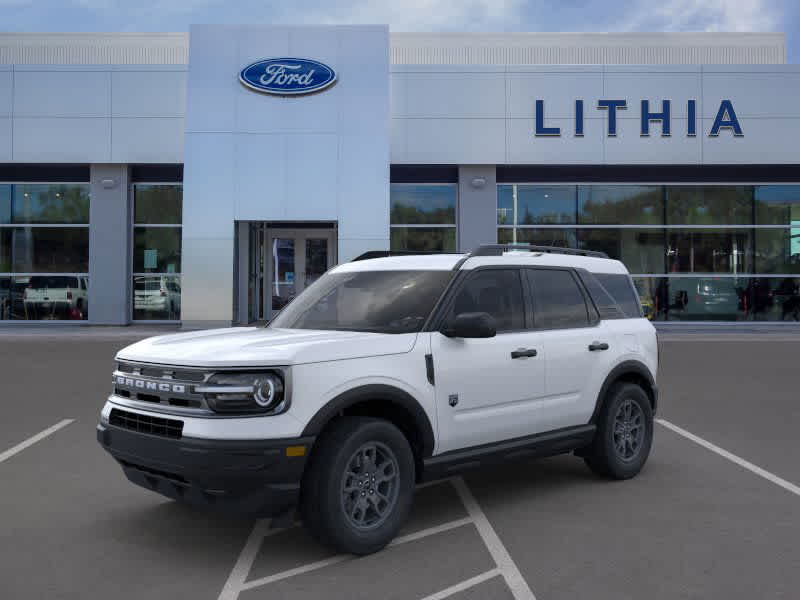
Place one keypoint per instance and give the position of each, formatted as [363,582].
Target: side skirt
[540,445]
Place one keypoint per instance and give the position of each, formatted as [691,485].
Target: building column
[477,206]
[109,245]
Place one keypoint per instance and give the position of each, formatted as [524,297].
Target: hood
[259,346]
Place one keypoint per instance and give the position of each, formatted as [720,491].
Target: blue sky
[414,15]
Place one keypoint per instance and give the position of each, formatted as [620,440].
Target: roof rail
[498,249]
[384,253]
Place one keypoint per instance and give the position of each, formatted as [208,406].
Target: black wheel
[624,433]
[359,484]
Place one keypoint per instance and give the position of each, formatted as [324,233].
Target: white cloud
[705,15]
[421,15]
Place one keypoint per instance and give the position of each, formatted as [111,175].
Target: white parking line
[464,585]
[33,439]
[788,486]
[237,580]
[505,564]
[333,560]
[232,587]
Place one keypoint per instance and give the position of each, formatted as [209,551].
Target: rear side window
[606,305]
[558,302]
[621,289]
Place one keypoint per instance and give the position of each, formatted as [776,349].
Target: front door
[294,259]
[488,389]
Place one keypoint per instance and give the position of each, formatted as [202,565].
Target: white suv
[387,372]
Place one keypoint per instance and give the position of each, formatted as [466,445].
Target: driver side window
[494,291]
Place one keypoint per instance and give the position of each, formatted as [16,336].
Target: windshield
[376,301]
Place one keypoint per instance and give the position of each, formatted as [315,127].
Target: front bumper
[255,477]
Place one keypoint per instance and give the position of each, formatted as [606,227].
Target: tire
[333,502]
[613,455]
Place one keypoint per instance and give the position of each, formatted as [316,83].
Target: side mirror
[471,325]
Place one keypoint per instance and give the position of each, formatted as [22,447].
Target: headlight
[245,393]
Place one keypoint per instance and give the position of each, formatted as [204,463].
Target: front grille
[162,371]
[171,428]
[161,384]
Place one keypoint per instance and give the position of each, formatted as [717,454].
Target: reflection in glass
[535,204]
[40,203]
[44,297]
[710,251]
[709,205]
[316,259]
[778,250]
[642,250]
[785,300]
[158,204]
[5,203]
[777,205]
[621,204]
[44,249]
[417,204]
[707,299]
[157,249]
[427,239]
[283,275]
[561,238]
[720,298]
[156,297]
[646,288]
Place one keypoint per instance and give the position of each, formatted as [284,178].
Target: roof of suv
[446,262]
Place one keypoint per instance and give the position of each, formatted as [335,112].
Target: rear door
[487,389]
[578,346]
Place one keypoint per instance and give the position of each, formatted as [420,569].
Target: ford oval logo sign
[287,76]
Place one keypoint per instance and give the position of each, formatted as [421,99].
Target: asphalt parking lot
[715,513]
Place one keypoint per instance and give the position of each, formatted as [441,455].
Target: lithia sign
[725,120]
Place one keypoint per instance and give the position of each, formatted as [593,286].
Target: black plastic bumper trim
[241,476]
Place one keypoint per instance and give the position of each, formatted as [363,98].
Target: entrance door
[294,259]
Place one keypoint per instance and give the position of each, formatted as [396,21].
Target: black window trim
[592,314]
[457,283]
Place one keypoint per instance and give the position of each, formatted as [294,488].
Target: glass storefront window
[157,250]
[778,205]
[620,204]
[709,205]
[710,251]
[424,239]
[705,252]
[44,204]
[642,250]
[157,212]
[535,204]
[44,251]
[561,238]
[156,297]
[413,205]
[158,204]
[778,250]
[417,204]
[44,297]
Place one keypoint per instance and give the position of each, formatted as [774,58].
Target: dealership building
[208,177]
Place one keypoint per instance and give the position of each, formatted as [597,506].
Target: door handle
[598,346]
[523,353]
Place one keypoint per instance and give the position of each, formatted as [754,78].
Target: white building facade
[143,178]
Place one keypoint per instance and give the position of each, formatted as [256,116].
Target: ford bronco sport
[387,372]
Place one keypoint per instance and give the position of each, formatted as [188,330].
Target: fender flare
[625,368]
[388,393]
